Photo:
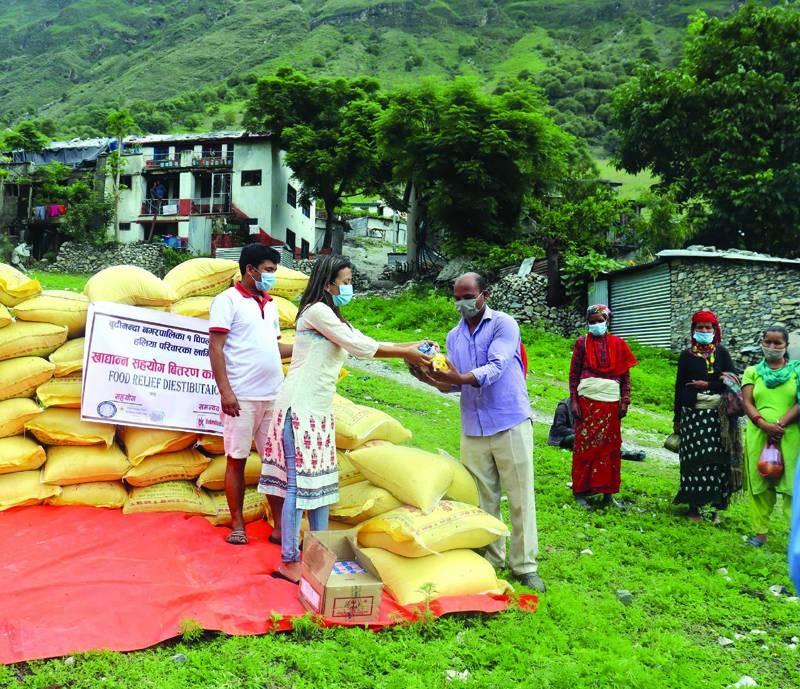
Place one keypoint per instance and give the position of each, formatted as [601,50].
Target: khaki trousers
[506,460]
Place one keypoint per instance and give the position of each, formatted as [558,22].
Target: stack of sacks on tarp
[416,513]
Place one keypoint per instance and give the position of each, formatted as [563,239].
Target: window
[306,207]
[304,248]
[124,226]
[291,239]
[291,196]
[125,181]
[251,178]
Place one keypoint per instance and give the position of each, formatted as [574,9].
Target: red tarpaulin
[76,579]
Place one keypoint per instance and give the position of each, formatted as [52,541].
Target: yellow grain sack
[201,277]
[287,312]
[15,286]
[289,283]
[59,306]
[418,579]
[30,339]
[196,307]
[213,476]
[68,358]
[463,488]
[361,501]
[255,507]
[145,442]
[451,525]
[19,453]
[413,476]
[21,376]
[348,474]
[24,488]
[59,426]
[129,285]
[355,425]
[15,413]
[211,444]
[167,466]
[68,464]
[109,494]
[172,496]
[5,316]
[61,392]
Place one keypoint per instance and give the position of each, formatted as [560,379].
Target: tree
[720,130]
[88,213]
[26,136]
[327,129]
[119,122]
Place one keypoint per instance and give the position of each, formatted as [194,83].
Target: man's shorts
[238,432]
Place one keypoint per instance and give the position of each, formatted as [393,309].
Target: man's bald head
[472,282]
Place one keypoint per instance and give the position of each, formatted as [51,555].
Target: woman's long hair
[323,274]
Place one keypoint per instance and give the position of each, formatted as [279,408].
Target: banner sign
[148,368]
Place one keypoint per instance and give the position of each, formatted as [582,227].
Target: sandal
[237,537]
[756,541]
[275,538]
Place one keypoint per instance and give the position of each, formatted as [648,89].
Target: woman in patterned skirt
[707,444]
[600,393]
[299,460]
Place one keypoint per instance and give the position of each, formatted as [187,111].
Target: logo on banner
[107,409]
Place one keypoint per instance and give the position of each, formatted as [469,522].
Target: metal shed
[640,304]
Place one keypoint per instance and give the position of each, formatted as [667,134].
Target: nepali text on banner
[148,368]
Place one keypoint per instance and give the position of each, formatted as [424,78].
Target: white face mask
[771,354]
[703,337]
[598,329]
[468,308]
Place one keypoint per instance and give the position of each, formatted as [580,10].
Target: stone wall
[83,258]
[746,296]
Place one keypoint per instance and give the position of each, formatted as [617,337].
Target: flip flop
[755,541]
[237,537]
[274,538]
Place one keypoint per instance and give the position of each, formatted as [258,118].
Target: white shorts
[238,432]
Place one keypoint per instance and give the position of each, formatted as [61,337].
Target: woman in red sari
[600,393]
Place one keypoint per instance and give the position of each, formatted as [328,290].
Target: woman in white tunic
[299,460]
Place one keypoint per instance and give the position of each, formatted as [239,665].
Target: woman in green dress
[770,393]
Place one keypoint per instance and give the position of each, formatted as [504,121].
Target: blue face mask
[344,296]
[598,329]
[703,338]
[267,282]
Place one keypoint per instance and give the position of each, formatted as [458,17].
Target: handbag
[770,463]
[732,401]
[673,442]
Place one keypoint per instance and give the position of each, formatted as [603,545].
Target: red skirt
[596,453]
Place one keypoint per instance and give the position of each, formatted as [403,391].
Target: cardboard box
[336,580]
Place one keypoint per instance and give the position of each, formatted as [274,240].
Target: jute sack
[171,496]
[355,425]
[287,312]
[59,426]
[201,277]
[59,306]
[145,442]
[451,525]
[463,487]
[129,285]
[30,339]
[15,286]
[213,476]
[61,392]
[361,501]
[67,465]
[255,507]
[454,573]
[196,307]
[19,453]
[348,474]
[289,283]
[15,413]
[109,494]
[413,476]
[5,316]
[20,377]
[211,444]
[68,358]
[24,488]
[167,466]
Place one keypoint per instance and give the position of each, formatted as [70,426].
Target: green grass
[581,635]
[72,282]
[633,186]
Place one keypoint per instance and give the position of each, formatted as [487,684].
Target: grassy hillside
[189,63]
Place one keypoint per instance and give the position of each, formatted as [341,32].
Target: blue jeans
[291,516]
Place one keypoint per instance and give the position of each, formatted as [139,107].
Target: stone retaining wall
[84,258]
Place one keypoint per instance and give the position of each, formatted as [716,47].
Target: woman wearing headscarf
[600,393]
[770,394]
[709,439]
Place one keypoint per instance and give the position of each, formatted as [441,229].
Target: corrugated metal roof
[728,254]
[198,136]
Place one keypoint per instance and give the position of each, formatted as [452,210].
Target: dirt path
[634,438]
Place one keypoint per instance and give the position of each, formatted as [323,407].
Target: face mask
[773,354]
[598,329]
[703,338]
[267,282]
[468,308]
[344,296]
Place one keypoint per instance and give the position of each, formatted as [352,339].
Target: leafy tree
[120,122]
[88,213]
[721,128]
[327,128]
[25,136]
